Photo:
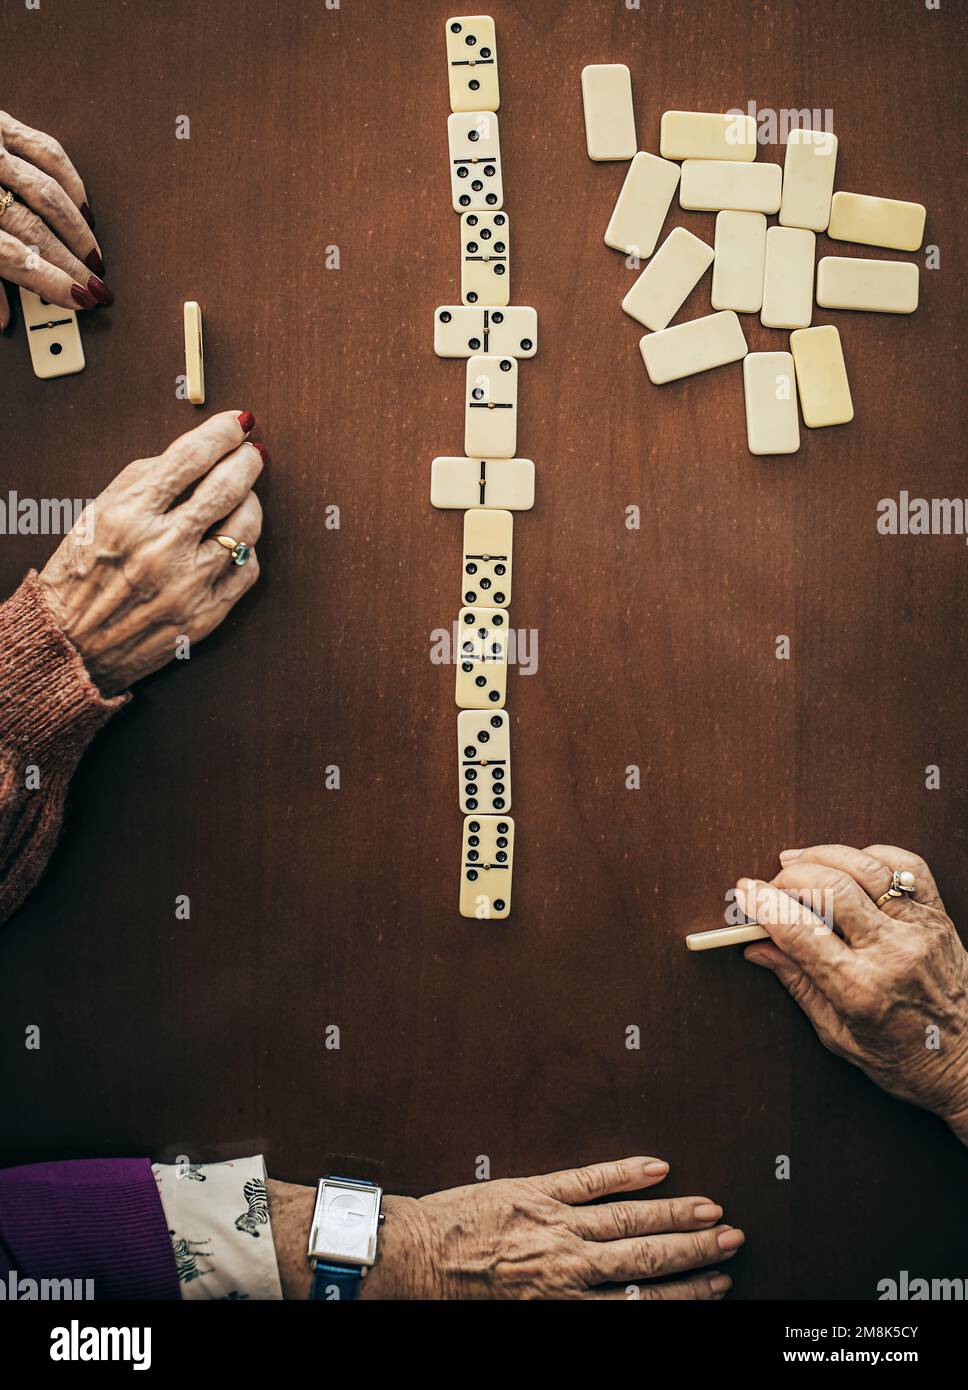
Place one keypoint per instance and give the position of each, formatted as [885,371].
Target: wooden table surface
[313,128]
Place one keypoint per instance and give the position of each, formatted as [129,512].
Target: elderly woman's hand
[888,990]
[141,571]
[538,1238]
[46,239]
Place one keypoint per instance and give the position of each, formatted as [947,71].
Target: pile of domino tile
[710,157]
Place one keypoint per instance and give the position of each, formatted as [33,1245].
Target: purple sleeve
[99,1219]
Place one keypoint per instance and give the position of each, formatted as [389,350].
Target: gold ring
[903,885]
[240,551]
[6,199]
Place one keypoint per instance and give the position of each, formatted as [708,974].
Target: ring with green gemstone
[240,552]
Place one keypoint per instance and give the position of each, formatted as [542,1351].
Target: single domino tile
[606,92]
[460,330]
[808,179]
[709,185]
[725,936]
[641,206]
[665,283]
[707,135]
[491,407]
[484,761]
[485,258]
[488,546]
[194,353]
[769,387]
[876,221]
[472,63]
[482,658]
[53,337]
[459,483]
[487,865]
[788,278]
[821,377]
[739,263]
[881,287]
[696,346]
[475,161]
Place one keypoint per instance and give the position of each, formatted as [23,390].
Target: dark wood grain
[311,907]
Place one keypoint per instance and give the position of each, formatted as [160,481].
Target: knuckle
[648,1259]
[621,1219]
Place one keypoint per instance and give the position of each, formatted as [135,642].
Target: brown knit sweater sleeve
[50,709]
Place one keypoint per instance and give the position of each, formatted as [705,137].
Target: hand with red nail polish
[142,570]
[47,241]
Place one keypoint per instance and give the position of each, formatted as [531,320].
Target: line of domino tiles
[756,268]
[487,482]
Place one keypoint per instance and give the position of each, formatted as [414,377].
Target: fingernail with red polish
[94,262]
[263,451]
[83,297]
[100,290]
[88,215]
[246,420]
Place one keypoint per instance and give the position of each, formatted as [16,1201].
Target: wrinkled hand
[888,989]
[137,574]
[46,239]
[536,1238]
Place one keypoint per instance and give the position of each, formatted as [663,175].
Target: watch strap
[344,1278]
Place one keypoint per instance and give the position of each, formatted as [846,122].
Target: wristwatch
[343,1236]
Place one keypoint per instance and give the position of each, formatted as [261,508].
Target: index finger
[196,453]
[800,933]
[574,1185]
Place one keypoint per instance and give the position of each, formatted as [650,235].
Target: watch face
[346,1222]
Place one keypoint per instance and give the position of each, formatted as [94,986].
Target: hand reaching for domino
[47,242]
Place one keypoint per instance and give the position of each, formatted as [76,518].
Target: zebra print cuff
[218,1221]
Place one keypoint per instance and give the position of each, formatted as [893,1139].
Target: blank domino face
[606,92]
[788,278]
[740,257]
[882,287]
[472,63]
[641,207]
[666,281]
[194,353]
[485,258]
[487,865]
[808,179]
[482,658]
[770,389]
[491,407]
[696,346]
[459,483]
[462,331]
[475,161]
[876,221]
[708,185]
[53,337]
[821,377]
[488,544]
[484,761]
[707,135]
